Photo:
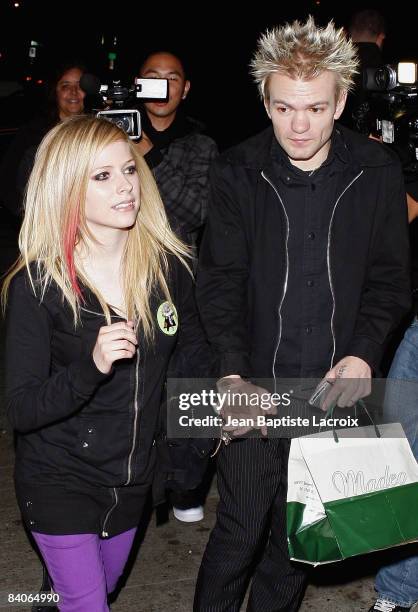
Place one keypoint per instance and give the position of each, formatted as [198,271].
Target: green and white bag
[351,495]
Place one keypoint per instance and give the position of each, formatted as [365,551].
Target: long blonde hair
[55,223]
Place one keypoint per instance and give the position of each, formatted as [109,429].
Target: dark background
[215,44]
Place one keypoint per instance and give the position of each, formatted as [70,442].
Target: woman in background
[65,99]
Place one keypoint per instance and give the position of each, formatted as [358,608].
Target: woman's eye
[102,176]
[130,170]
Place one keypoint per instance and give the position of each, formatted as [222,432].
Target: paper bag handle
[361,404]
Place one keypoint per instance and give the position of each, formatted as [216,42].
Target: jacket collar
[338,154]
[353,149]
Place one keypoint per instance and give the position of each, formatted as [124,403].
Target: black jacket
[81,432]
[242,278]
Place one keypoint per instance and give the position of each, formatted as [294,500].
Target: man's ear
[186,90]
[380,39]
[342,99]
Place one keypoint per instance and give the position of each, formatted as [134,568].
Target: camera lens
[380,79]
[124,123]
[127,120]
[386,78]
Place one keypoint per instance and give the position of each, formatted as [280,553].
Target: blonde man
[87,351]
[303,273]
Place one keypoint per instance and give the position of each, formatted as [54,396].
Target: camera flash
[407,72]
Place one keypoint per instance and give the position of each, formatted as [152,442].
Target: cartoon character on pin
[167,318]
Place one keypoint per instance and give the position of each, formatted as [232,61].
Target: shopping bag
[351,495]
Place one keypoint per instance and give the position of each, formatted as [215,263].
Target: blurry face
[166,66]
[70,97]
[303,115]
[113,195]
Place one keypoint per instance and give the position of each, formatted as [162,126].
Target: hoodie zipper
[105,534]
[279,311]
[136,414]
[331,286]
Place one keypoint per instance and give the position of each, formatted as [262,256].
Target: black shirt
[306,343]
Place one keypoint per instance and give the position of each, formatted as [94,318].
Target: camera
[120,97]
[391,109]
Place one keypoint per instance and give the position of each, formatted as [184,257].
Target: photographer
[179,155]
[368,31]
[175,148]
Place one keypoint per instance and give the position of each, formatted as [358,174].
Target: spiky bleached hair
[303,51]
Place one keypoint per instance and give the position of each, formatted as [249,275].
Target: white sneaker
[190,515]
[383,605]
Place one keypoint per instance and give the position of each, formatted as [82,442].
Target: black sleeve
[193,357]
[222,278]
[386,296]
[35,397]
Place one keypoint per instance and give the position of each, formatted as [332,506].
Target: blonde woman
[87,351]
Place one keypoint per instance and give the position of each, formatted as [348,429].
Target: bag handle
[330,414]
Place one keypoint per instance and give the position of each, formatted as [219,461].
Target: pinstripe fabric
[252,482]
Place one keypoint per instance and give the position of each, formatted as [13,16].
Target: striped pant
[250,533]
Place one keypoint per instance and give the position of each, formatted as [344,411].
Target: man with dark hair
[179,154]
[368,26]
[367,30]
[175,147]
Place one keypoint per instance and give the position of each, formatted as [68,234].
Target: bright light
[407,72]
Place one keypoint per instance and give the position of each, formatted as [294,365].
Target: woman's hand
[116,341]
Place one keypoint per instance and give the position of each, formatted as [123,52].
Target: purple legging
[84,568]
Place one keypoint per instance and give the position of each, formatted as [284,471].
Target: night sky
[216,48]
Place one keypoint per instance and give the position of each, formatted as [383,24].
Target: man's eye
[281,109]
[316,109]
[102,176]
[130,170]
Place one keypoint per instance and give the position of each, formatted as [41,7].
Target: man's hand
[243,400]
[351,380]
[144,145]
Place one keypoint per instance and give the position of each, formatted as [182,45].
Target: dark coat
[241,282]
